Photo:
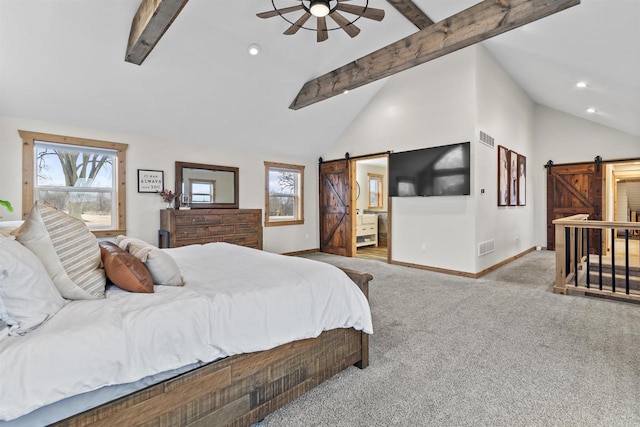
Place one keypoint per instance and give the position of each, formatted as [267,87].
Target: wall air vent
[486,247]
[487,140]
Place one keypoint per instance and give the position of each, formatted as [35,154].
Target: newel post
[561,274]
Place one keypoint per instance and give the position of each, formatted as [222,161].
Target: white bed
[235,300]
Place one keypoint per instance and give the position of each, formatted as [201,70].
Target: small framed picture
[513,178]
[522,180]
[150,181]
[503,176]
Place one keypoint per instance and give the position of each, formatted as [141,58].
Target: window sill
[285,222]
[108,233]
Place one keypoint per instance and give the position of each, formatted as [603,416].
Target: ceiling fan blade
[368,12]
[322,29]
[344,23]
[296,25]
[276,12]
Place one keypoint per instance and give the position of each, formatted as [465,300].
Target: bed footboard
[362,280]
[238,390]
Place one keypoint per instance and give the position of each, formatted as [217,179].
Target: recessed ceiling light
[591,110]
[253,49]
[345,91]
[581,85]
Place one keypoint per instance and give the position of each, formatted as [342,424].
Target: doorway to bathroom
[371,224]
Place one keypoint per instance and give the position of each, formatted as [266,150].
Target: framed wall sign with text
[150,181]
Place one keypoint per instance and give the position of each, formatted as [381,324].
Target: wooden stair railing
[583,264]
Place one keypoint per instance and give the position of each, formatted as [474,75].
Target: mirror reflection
[207,186]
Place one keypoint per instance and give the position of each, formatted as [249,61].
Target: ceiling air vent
[486,247]
[487,140]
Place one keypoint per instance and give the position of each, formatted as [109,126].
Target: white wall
[144,153]
[564,138]
[504,112]
[622,213]
[429,105]
[444,102]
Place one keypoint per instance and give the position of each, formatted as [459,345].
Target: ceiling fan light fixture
[319,8]
[314,14]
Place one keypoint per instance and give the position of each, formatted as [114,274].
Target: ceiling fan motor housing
[319,8]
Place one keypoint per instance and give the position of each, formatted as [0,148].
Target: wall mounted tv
[433,171]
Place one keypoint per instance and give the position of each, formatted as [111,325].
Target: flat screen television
[434,171]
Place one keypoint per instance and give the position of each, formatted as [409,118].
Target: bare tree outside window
[80,176]
[283,193]
[80,170]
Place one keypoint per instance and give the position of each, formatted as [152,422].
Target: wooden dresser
[197,226]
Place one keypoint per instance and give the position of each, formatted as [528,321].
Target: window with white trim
[202,190]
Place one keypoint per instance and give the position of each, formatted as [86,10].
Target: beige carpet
[498,351]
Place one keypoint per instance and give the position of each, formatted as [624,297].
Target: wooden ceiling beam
[473,25]
[149,24]
[412,12]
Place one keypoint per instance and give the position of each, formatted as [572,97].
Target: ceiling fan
[320,9]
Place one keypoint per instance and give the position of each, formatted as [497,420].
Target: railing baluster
[626,261]
[588,230]
[575,256]
[567,251]
[613,260]
[600,257]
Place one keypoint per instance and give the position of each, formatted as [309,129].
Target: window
[202,190]
[284,194]
[375,190]
[82,177]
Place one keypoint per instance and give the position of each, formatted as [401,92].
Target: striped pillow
[68,250]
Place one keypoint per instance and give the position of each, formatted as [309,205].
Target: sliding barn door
[572,190]
[336,235]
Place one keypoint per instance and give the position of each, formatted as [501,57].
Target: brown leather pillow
[125,270]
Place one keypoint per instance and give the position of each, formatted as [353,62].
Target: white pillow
[67,249]
[164,269]
[28,297]
[6,227]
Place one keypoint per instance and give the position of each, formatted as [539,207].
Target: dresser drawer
[183,233]
[248,218]
[220,230]
[198,220]
[246,228]
[243,240]
[365,229]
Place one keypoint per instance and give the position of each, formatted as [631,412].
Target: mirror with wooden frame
[207,186]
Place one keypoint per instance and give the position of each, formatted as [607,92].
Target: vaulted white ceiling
[63,61]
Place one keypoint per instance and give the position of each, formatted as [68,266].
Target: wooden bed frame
[238,390]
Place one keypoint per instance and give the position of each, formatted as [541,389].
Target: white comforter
[235,300]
